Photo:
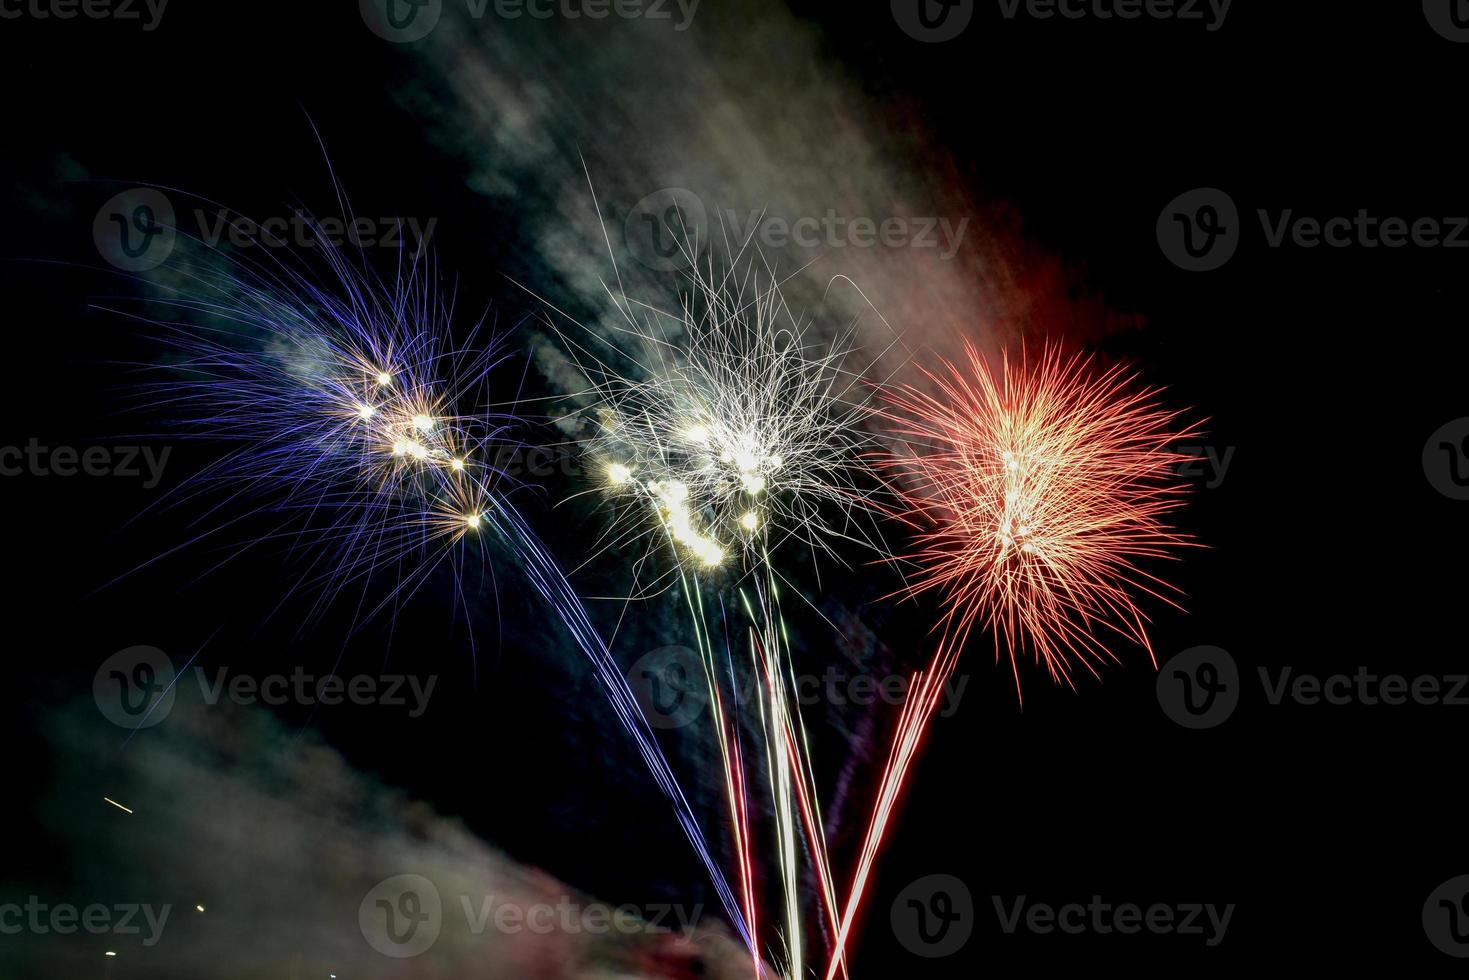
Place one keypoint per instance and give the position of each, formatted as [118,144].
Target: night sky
[1046,156]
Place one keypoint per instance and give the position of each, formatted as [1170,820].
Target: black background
[1325,369]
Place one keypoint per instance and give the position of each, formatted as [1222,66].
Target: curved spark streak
[343,402]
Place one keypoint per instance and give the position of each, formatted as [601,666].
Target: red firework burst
[1036,497]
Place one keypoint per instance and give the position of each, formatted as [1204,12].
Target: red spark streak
[1033,497]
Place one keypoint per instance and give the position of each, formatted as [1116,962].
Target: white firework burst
[733,430]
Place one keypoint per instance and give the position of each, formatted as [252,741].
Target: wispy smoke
[296,859]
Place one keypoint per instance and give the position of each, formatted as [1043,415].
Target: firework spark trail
[343,404]
[791,783]
[793,765]
[1034,498]
[736,436]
